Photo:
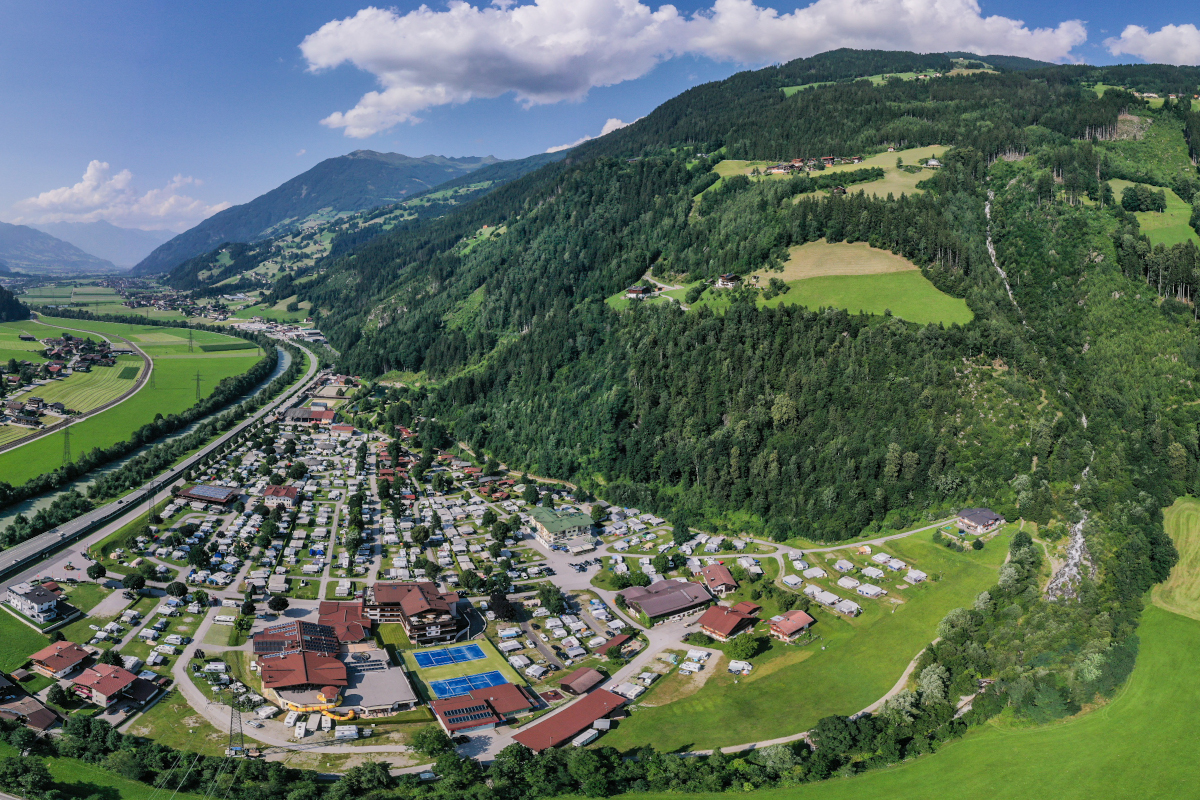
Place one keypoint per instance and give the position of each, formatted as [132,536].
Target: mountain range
[122,246]
[357,181]
[24,247]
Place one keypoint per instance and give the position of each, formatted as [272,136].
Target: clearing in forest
[1181,591]
[1163,227]
[821,258]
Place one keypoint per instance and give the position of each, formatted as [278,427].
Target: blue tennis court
[449,655]
[453,687]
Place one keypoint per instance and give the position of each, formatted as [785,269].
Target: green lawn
[793,686]
[1163,227]
[176,724]
[1180,593]
[20,641]
[86,595]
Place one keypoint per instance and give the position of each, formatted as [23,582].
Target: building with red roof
[59,659]
[428,615]
[788,627]
[103,684]
[571,721]
[348,620]
[280,495]
[718,579]
[481,708]
[723,623]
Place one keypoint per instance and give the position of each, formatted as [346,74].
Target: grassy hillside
[1137,746]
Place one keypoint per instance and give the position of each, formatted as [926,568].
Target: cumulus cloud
[1170,44]
[102,195]
[613,124]
[548,51]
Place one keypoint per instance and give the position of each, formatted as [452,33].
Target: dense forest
[11,309]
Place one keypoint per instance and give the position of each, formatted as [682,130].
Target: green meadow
[1163,227]
[792,686]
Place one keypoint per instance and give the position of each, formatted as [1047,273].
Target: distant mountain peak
[357,181]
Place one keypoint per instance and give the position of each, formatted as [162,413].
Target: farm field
[84,391]
[173,391]
[792,687]
[1163,227]
[277,312]
[908,295]
[11,345]
[820,259]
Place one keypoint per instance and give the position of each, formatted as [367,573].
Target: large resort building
[428,615]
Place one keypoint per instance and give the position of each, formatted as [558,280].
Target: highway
[124,510]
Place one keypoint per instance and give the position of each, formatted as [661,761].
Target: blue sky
[176,109]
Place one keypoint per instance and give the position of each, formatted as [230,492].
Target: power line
[190,340]
[66,446]
[197,386]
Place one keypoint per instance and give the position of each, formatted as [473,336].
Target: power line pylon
[197,386]
[237,741]
[191,340]
[66,446]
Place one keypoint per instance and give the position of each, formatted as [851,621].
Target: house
[570,722]
[846,582]
[792,580]
[842,565]
[36,602]
[933,163]
[552,527]
[104,685]
[718,579]
[728,281]
[847,607]
[821,596]
[299,665]
[666,598]
[582,680]
[979,521]
[428,615]
[788,627]
[280,495]
[881,558]
[874,573]
[59,659]
[638,292]
[812,573]
[481,709]
[723,623]
[915,576]
[870,590]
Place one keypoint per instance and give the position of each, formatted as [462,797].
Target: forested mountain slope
[297,252]
[353,182]
[1071,400]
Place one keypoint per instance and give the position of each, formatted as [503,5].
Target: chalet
[104,685]
[34,601]
[979,521]
[723,623]
[59,659]
[729,281]
[718,579]
[638,292]
[26,337]
[788,627]
[933,163]
[26,421]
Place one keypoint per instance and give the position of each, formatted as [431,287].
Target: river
[34,504]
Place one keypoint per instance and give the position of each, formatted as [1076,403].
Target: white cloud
[548,51]
[101,195]
[301,152]
[1170,44]
[613,124]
